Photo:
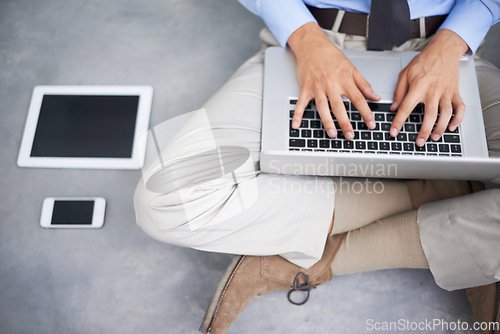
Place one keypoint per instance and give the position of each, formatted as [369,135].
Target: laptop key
[415,118]
[451,139]
[293,101]
[294,133]
[390,117]
[297,143]
[412,137]
[385,126]
[315,124]
[456,148]
[356,135]
[308,114]
[378,136]
[379,117]
[408,147]
[410,127]
[305,133]
[312,143]
[419,109]
[401,136]
[336,144]
[324,143]
[362,126]
[372,145]
[384,146]
[432,147]
[388,136]
[396,146]
[348,144]
[444,148]
[420,149]
[304,124]
[366,135]
[318,133]
[355,116]
[360,145]
[374,106]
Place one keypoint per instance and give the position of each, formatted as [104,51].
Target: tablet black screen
[84,126]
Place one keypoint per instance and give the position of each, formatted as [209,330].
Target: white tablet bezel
[136,161]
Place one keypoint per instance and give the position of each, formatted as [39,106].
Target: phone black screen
[72,213]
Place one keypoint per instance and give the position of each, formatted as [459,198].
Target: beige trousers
[288,215]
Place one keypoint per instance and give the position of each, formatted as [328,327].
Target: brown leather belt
[356,24]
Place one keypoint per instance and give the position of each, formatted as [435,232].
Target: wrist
[448,44]
[306,37]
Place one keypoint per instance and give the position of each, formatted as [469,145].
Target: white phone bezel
[97,216]
[136,161]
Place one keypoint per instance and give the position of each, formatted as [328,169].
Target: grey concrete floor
[116,279]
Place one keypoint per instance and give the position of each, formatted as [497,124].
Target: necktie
[389,24]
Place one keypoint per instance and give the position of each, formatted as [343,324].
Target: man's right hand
[325,74]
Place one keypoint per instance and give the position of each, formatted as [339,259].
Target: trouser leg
[254,213]
[393,242]
[488,79]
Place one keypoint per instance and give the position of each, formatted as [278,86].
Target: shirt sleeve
[471,20]
[282,17]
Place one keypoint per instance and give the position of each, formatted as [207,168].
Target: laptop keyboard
[311,136]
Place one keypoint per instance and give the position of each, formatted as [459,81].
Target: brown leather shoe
[249,276]
[484,301]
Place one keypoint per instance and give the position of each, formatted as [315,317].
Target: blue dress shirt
[470,19]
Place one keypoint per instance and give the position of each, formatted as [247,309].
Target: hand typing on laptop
[324,73]
[432,78]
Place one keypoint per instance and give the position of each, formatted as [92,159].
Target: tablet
[86,127]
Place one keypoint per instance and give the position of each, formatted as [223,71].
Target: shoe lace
[297,286]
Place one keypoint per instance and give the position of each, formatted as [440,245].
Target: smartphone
[73,212]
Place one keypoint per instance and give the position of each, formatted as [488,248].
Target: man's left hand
[432,78]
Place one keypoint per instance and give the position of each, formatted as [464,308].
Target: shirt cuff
[471,20]
[283,17]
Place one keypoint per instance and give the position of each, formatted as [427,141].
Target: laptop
[461,154]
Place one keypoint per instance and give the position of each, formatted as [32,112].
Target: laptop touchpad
[381,72]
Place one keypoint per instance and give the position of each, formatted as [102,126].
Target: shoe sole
[219,294]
